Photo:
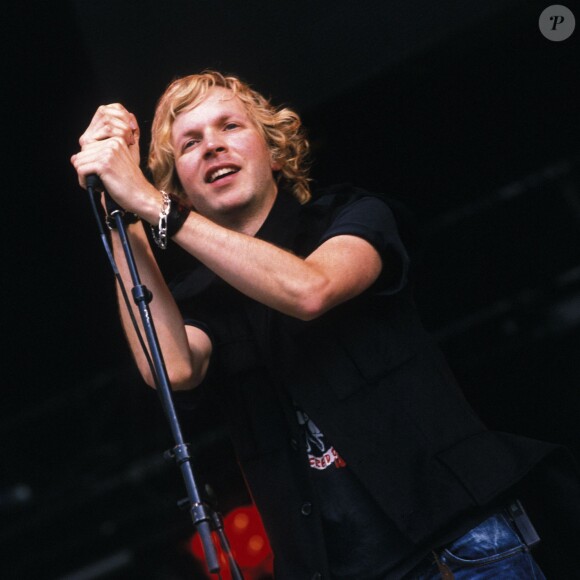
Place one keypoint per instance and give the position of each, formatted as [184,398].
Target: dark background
[461,108]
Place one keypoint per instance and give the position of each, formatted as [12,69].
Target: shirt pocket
[349,359]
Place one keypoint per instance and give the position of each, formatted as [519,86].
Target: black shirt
[371,379]
[361,541]
[359,538]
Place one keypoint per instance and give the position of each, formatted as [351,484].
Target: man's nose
[214,144]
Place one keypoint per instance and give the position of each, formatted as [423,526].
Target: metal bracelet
[128,218]
[160,233]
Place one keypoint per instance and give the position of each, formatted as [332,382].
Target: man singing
[296,314]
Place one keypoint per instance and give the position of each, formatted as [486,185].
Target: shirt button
[306,509]
[294,444]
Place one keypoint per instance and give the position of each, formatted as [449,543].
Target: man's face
[222,159]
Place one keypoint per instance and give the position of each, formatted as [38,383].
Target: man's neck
[250,221]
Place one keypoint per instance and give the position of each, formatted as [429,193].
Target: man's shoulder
[330,200]
[339,195]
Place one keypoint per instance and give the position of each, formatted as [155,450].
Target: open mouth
[220,173]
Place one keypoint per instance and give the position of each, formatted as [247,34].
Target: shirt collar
[281,225]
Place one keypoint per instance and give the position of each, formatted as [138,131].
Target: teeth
[220,172]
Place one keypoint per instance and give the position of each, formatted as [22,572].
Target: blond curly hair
[281,127]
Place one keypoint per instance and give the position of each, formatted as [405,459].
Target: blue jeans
[491,550]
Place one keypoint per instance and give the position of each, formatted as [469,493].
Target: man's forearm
[164,312]
[300,287]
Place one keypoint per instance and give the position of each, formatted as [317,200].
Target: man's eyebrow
[217,121]
[223,117]
[226,116]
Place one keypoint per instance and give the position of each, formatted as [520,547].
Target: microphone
[94,183]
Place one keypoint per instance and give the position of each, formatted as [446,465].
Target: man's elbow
[186,380]
[312,305]
[179,380]
[314,299]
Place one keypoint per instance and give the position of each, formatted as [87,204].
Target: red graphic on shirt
[321,455]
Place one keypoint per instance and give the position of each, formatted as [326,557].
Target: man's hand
[113,121]
[110,149]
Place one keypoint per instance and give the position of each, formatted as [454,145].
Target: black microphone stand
[204,519]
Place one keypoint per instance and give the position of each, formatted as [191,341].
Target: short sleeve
[188,321]
[186,288]
[192,398]
[371,219]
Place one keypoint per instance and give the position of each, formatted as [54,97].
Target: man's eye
[231,126]
[190,143]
